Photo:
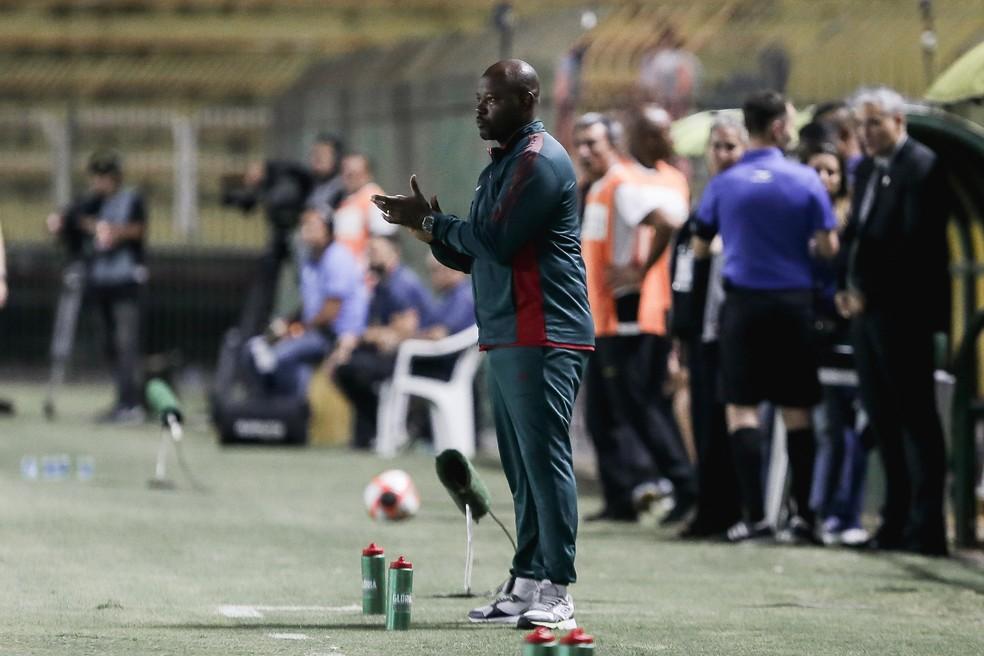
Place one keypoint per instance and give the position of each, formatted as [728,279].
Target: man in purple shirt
[332,317]
[771,214]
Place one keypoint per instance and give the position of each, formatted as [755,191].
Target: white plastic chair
[452,402]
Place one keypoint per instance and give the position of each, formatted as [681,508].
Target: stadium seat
[451,402]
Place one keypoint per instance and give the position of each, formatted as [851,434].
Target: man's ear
[778,129]
[528,101]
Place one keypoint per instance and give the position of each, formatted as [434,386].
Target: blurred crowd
[358,300]
[807,281]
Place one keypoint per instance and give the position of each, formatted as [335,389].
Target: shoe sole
[508,621]
[566,625]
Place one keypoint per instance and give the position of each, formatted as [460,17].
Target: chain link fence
[177,159]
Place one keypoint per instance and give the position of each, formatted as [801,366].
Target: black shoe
[699,530]
[936,548]
[746,532]
[882,540]
[608,515]
[684,505]
[800,531]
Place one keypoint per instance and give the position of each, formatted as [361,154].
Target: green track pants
[533,391]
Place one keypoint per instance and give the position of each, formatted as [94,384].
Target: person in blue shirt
[332,317]
[772,215]
[400,305]
[454,309]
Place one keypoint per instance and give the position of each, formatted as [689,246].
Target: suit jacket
[897,256]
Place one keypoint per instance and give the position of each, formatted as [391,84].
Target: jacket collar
[756,154]
[885,161]
[497,153]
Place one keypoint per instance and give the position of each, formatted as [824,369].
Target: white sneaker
[646,494]
[853,537]
[553,609]
[512,599]
[264,358]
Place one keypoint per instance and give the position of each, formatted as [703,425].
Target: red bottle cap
[542,636]
[577,637]
[372,550]
[401,563]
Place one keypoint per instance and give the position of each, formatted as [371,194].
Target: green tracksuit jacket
[521,243]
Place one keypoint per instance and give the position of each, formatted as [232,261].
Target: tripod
[255,313]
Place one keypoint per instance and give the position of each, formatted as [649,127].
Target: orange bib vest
[607,239]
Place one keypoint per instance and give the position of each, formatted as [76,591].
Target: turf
[111,567]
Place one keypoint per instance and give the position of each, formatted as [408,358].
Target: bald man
[521,245]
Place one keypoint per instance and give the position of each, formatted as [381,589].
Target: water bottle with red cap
[400,585]
[373,580]
[540,643]
[577,643]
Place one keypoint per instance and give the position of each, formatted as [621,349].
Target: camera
[282,194]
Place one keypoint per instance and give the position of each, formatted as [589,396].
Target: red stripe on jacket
[531,325]
[522,171]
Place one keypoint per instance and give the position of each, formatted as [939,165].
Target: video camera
[283,193]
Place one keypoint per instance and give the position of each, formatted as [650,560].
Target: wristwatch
[427,225]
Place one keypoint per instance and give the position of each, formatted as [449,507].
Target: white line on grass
[249,611]
[312,609]
[239,611]
[287,636]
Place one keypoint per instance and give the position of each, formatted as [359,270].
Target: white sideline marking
[312,609]
[239,611]
[287,636]
[256,612]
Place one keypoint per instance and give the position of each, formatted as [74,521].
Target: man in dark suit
[895,287]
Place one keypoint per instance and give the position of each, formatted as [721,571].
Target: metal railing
[177,158]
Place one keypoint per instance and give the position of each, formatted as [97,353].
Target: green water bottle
[540,643]
[373,580]
[577,643]
[400,597]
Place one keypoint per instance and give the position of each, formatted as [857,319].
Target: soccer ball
[391,496]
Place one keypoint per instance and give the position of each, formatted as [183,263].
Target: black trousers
[718,496]
[633,435]
[120,310]
[359,380]
[895,367]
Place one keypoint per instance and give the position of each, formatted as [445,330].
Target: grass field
[111,567]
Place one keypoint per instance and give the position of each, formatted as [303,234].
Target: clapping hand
[408,211]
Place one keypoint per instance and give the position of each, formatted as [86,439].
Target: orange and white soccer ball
[392,496]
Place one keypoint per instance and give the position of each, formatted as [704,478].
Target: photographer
[107,228]
[321,180]
[332,317]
